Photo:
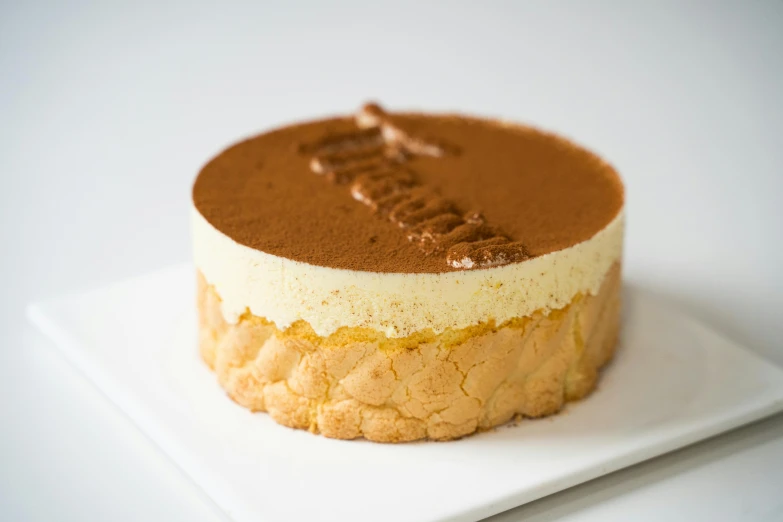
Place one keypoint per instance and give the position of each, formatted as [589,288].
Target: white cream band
[284,291]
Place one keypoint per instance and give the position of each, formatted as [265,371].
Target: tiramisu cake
[401,276]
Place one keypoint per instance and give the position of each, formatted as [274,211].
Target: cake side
[285,291]
[357,382]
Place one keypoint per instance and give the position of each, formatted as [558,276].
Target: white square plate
[672,383]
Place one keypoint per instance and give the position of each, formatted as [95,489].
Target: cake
[404,276]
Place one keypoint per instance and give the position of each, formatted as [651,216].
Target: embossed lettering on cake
[375,160]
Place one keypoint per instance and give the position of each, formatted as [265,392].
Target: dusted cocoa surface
[537,188]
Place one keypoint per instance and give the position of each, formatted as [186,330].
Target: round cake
[402,276]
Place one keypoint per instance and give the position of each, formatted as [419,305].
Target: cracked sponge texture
[359,383]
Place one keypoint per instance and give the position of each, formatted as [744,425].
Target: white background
[107,112]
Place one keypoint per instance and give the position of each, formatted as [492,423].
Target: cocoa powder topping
[444,192]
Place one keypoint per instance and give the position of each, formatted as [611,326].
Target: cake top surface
[407,193]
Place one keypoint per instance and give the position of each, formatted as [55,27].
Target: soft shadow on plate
[585,496]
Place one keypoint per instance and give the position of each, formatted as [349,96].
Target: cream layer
[284,291]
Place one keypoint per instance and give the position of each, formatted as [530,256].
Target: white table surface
[108,112]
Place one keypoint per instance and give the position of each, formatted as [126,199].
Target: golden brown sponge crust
[359,383]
